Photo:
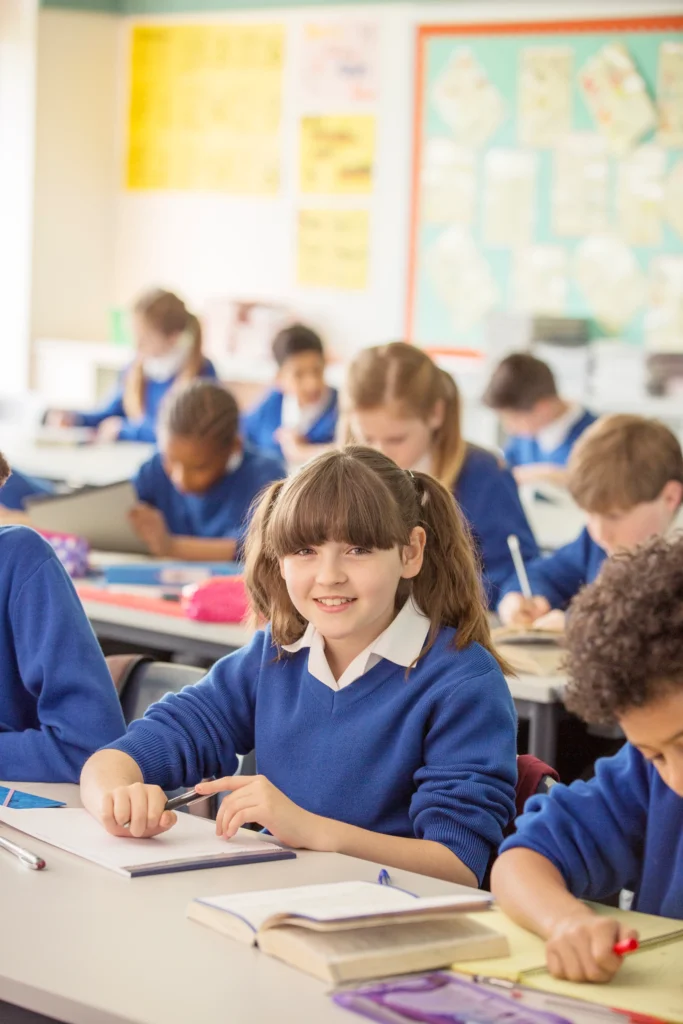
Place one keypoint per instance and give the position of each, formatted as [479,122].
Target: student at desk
[382,722]
[196,492]
[542,426]
[626,473]
[57,700]
[624,828]
[168,353]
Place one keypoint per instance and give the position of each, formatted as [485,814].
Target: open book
[352,931]
[190,845]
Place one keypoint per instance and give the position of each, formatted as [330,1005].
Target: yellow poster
[333,249]
[337,154]
[205,108]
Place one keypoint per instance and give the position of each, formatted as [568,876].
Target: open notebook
[351,931]
[192,844]
[650,981]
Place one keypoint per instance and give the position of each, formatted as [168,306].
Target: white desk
[84,945]
[79,465]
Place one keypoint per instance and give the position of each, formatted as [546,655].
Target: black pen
[184,799]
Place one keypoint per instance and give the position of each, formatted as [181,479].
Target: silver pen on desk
[520,568]
[31,860]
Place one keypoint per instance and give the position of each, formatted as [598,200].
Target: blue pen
[384,878]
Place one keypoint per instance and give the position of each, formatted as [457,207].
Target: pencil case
[72,551]
[220,599]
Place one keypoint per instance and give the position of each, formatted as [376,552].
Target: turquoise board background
[499,56]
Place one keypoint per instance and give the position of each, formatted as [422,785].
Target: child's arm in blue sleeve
[112,407]
[560,576]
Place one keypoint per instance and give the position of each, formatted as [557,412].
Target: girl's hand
[60,418]
[150,526]
[139,807]
[581,947]
[109,429]
[254,798]
[517,610]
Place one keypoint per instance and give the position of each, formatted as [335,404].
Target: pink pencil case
[73,552]
[219,599]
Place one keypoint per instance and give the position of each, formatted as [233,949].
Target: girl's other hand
[140,808]
[254,798]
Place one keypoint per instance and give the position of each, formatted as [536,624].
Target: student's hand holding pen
[136,811]
[582,947]
[517,610]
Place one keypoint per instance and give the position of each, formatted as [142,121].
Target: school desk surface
[90,465]
[87,946]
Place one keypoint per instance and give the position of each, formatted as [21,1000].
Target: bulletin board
[535,190]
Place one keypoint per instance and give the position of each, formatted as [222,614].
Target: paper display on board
[540,280]
[664,316]
[333,249]
[610,278]
[340,65]
[467,100]
[580,185]
[337,154]
[545,94]
[509,197]
[448,182]
[189,125]
[617,97]
[670,94]
[673,198]
[461,277]
[640,195]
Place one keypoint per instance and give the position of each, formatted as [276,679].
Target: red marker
[626,946]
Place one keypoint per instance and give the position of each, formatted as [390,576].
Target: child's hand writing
[517,610]
[140,808]
[150,526]
[254,798]
[581,947]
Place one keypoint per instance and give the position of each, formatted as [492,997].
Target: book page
[75,831]
[339,901]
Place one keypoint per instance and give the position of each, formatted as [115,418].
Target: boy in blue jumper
[57,700]
[168,353]
[298,418]
[196,493]
[381,719]
[624,828]
[626,473]
[542,427]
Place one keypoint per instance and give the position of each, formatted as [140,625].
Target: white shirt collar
[301,418]
[551,437]
[401,642]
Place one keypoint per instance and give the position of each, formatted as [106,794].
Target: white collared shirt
[401,642]
[301,418]
[551,437]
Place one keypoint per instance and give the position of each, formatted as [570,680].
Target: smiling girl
[382,722]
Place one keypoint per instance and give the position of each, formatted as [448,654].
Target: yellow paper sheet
[333,249]
[650,982]
[205,105]
[337,154]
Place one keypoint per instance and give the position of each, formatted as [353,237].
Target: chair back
[141,682]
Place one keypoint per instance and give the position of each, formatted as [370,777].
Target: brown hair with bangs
[406,375]
[360,496]
[621,461]
[166,313]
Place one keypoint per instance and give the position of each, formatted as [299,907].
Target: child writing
[542,426]
[401,403]
[57,701]
[626,473]
[298,418]
[624,828]
[196,492]
[168,347]
[381,719]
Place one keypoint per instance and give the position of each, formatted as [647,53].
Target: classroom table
[93,465]
[87,946]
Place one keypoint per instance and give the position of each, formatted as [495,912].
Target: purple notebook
[439,999]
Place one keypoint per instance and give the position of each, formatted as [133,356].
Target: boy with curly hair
[624,828]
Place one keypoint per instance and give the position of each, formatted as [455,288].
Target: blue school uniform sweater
[526,451]
[621,830]
[430,756]
[57,701]
[259,425]
[18,487]
[488,496]
[223,510]
[144,429]
[560,576]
